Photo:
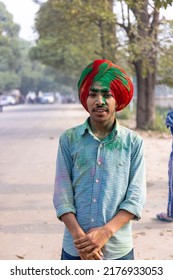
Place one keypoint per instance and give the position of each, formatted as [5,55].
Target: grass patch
[159,124]
[160,117]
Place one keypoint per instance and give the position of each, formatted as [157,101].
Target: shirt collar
[86,128]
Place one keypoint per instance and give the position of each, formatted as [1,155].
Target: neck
[101,130]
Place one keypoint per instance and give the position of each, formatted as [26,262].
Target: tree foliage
[165,61]
[165,67]
[17,71]
[9,51]
[141,25]
[72,33]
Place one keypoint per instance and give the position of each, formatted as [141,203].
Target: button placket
[96,188]
[99,162]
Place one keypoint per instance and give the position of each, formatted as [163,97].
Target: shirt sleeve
[136,193]
[63,198]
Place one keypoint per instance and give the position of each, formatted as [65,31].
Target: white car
[7,100]
[47,98]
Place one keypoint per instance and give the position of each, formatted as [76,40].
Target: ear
[116,105]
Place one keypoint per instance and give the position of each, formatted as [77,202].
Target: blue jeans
[65,256]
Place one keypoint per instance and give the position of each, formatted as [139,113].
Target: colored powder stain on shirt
[111,146]
[81,162]
[115,144]
[93,170]
[95,199]
[69,133]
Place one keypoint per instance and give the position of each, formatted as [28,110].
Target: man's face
[101,104]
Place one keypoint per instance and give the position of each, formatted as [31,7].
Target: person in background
[100,182]
[168,215]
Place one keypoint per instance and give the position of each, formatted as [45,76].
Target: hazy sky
[24,11]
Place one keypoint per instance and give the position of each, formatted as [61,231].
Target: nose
[100,100]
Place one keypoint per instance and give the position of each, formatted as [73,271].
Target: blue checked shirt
[95,179]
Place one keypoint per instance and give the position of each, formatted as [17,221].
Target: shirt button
[94,200]
[92,220]
[99,163]
[101,145]
[97,180]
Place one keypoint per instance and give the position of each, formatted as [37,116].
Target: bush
[159,124]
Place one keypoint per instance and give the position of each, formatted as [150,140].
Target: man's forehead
[99,87]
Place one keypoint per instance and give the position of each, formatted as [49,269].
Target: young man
[100,175]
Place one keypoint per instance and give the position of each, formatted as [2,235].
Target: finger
[97,258]
[82,245]
[96,254]
[100,253]
[90,230]
[80,240]
[83,257]
[90,258]
[86,249]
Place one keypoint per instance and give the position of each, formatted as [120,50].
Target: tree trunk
[107,32]
[145,114]
[143,41]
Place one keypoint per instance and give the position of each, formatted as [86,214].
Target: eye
[92,94]
[107,95]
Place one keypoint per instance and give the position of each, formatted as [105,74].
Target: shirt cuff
[64,210]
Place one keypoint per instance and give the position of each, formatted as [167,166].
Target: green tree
[72,33]
[17,71]
[141,25]
[9,51]
[34,76]
[165,61]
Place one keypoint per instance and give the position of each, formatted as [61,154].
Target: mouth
[100,110]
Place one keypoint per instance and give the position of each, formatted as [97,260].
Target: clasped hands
[90,245]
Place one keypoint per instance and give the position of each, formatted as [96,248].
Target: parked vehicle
[47,98]
[7,100]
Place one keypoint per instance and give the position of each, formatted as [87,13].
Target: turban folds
[106,74]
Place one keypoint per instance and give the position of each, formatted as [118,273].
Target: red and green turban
[107,74]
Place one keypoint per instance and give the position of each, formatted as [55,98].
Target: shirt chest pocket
[122,172]
[118,162]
